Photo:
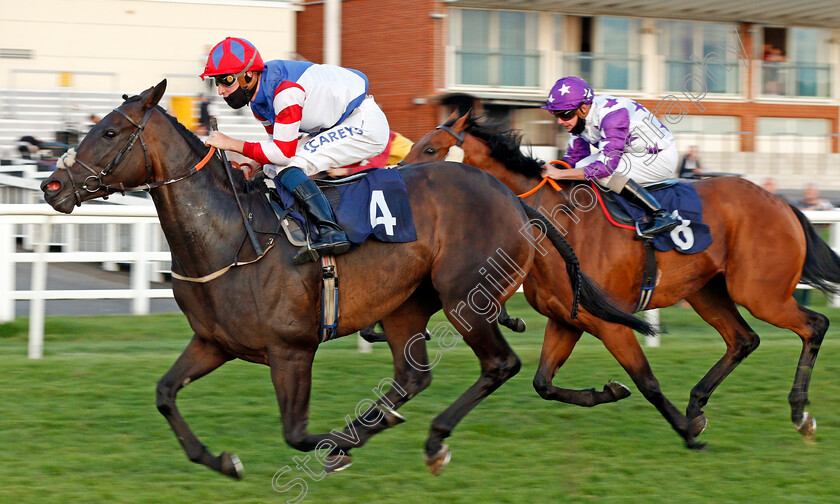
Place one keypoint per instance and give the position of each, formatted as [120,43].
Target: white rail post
[652,317]
[39,285]
[834,243]
[111,232]
[140,268]
[7,272]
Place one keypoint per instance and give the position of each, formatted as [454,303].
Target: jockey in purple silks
[634,147]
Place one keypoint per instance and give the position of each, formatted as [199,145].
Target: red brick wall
[396,44]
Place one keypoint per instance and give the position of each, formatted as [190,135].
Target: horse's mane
[196,144]
[505,146]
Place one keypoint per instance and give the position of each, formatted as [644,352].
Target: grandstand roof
[823,13]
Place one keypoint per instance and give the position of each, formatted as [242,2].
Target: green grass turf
[81,424]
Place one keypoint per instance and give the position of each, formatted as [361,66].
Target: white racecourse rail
[145,225]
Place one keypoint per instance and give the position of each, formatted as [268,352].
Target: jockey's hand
[339,172]
[221,141]
[249,171]
[553,172]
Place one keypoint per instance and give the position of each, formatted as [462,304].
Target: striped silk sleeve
[615,128]
[288,105]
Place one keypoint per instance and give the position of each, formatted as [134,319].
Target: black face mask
[238,98]
[578,129]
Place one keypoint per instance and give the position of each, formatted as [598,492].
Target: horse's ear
[453,115]
[461,124]
[153,95]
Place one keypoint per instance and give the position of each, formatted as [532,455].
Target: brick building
[756,85]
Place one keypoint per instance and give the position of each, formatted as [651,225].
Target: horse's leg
[406,331]
[291,374]
[498,364]
[199,358]
[514,324]
[812,336]
[559,341]
[716,307]
[811,328]
[621,342]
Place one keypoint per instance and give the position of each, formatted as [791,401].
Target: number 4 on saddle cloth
[370,203]
[680,200]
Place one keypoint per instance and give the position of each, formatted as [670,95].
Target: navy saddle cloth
[680,200]
[370,203]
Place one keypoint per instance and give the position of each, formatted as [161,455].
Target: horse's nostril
[54,185]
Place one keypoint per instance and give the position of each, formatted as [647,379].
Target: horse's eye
[110,134]
[430,151]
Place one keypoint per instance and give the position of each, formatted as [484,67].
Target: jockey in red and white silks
[341,125]
[318,117]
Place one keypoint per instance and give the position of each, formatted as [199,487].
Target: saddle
[615,211]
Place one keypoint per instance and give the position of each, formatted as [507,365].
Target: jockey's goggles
[564,114]
[225,80]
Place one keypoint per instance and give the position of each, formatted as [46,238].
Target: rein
[550,181]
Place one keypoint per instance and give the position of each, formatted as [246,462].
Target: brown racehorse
[268,312]
[762,248]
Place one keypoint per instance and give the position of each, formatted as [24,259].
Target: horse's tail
[822,265]
[591,296]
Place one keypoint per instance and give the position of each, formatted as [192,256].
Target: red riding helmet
[233,56]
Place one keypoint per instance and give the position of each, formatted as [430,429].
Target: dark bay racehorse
[268,312]
[762,248]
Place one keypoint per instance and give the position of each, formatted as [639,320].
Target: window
[711,134]
[795,62]
[793,135]
[698,54]
[495,48]
[606,53]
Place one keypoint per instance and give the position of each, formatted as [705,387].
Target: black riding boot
[332,241]
[660,220]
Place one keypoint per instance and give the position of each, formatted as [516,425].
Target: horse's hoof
[698,425]
[232,466]
[437,462]
[695,445]
[617,389]
[390,416]
[337,463]
[808,426]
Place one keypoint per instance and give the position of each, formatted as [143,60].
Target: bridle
[458,136]
[95,181]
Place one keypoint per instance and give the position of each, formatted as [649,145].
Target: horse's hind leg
[498,364]
[199,358]
[811,328]
[817,325]
[560,340]
[716,307]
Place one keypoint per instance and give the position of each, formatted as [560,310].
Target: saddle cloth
[371,203]
[681,201]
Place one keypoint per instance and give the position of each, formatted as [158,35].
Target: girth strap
[648,276]
[329,299]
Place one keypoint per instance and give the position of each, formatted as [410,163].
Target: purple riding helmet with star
[568,93]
